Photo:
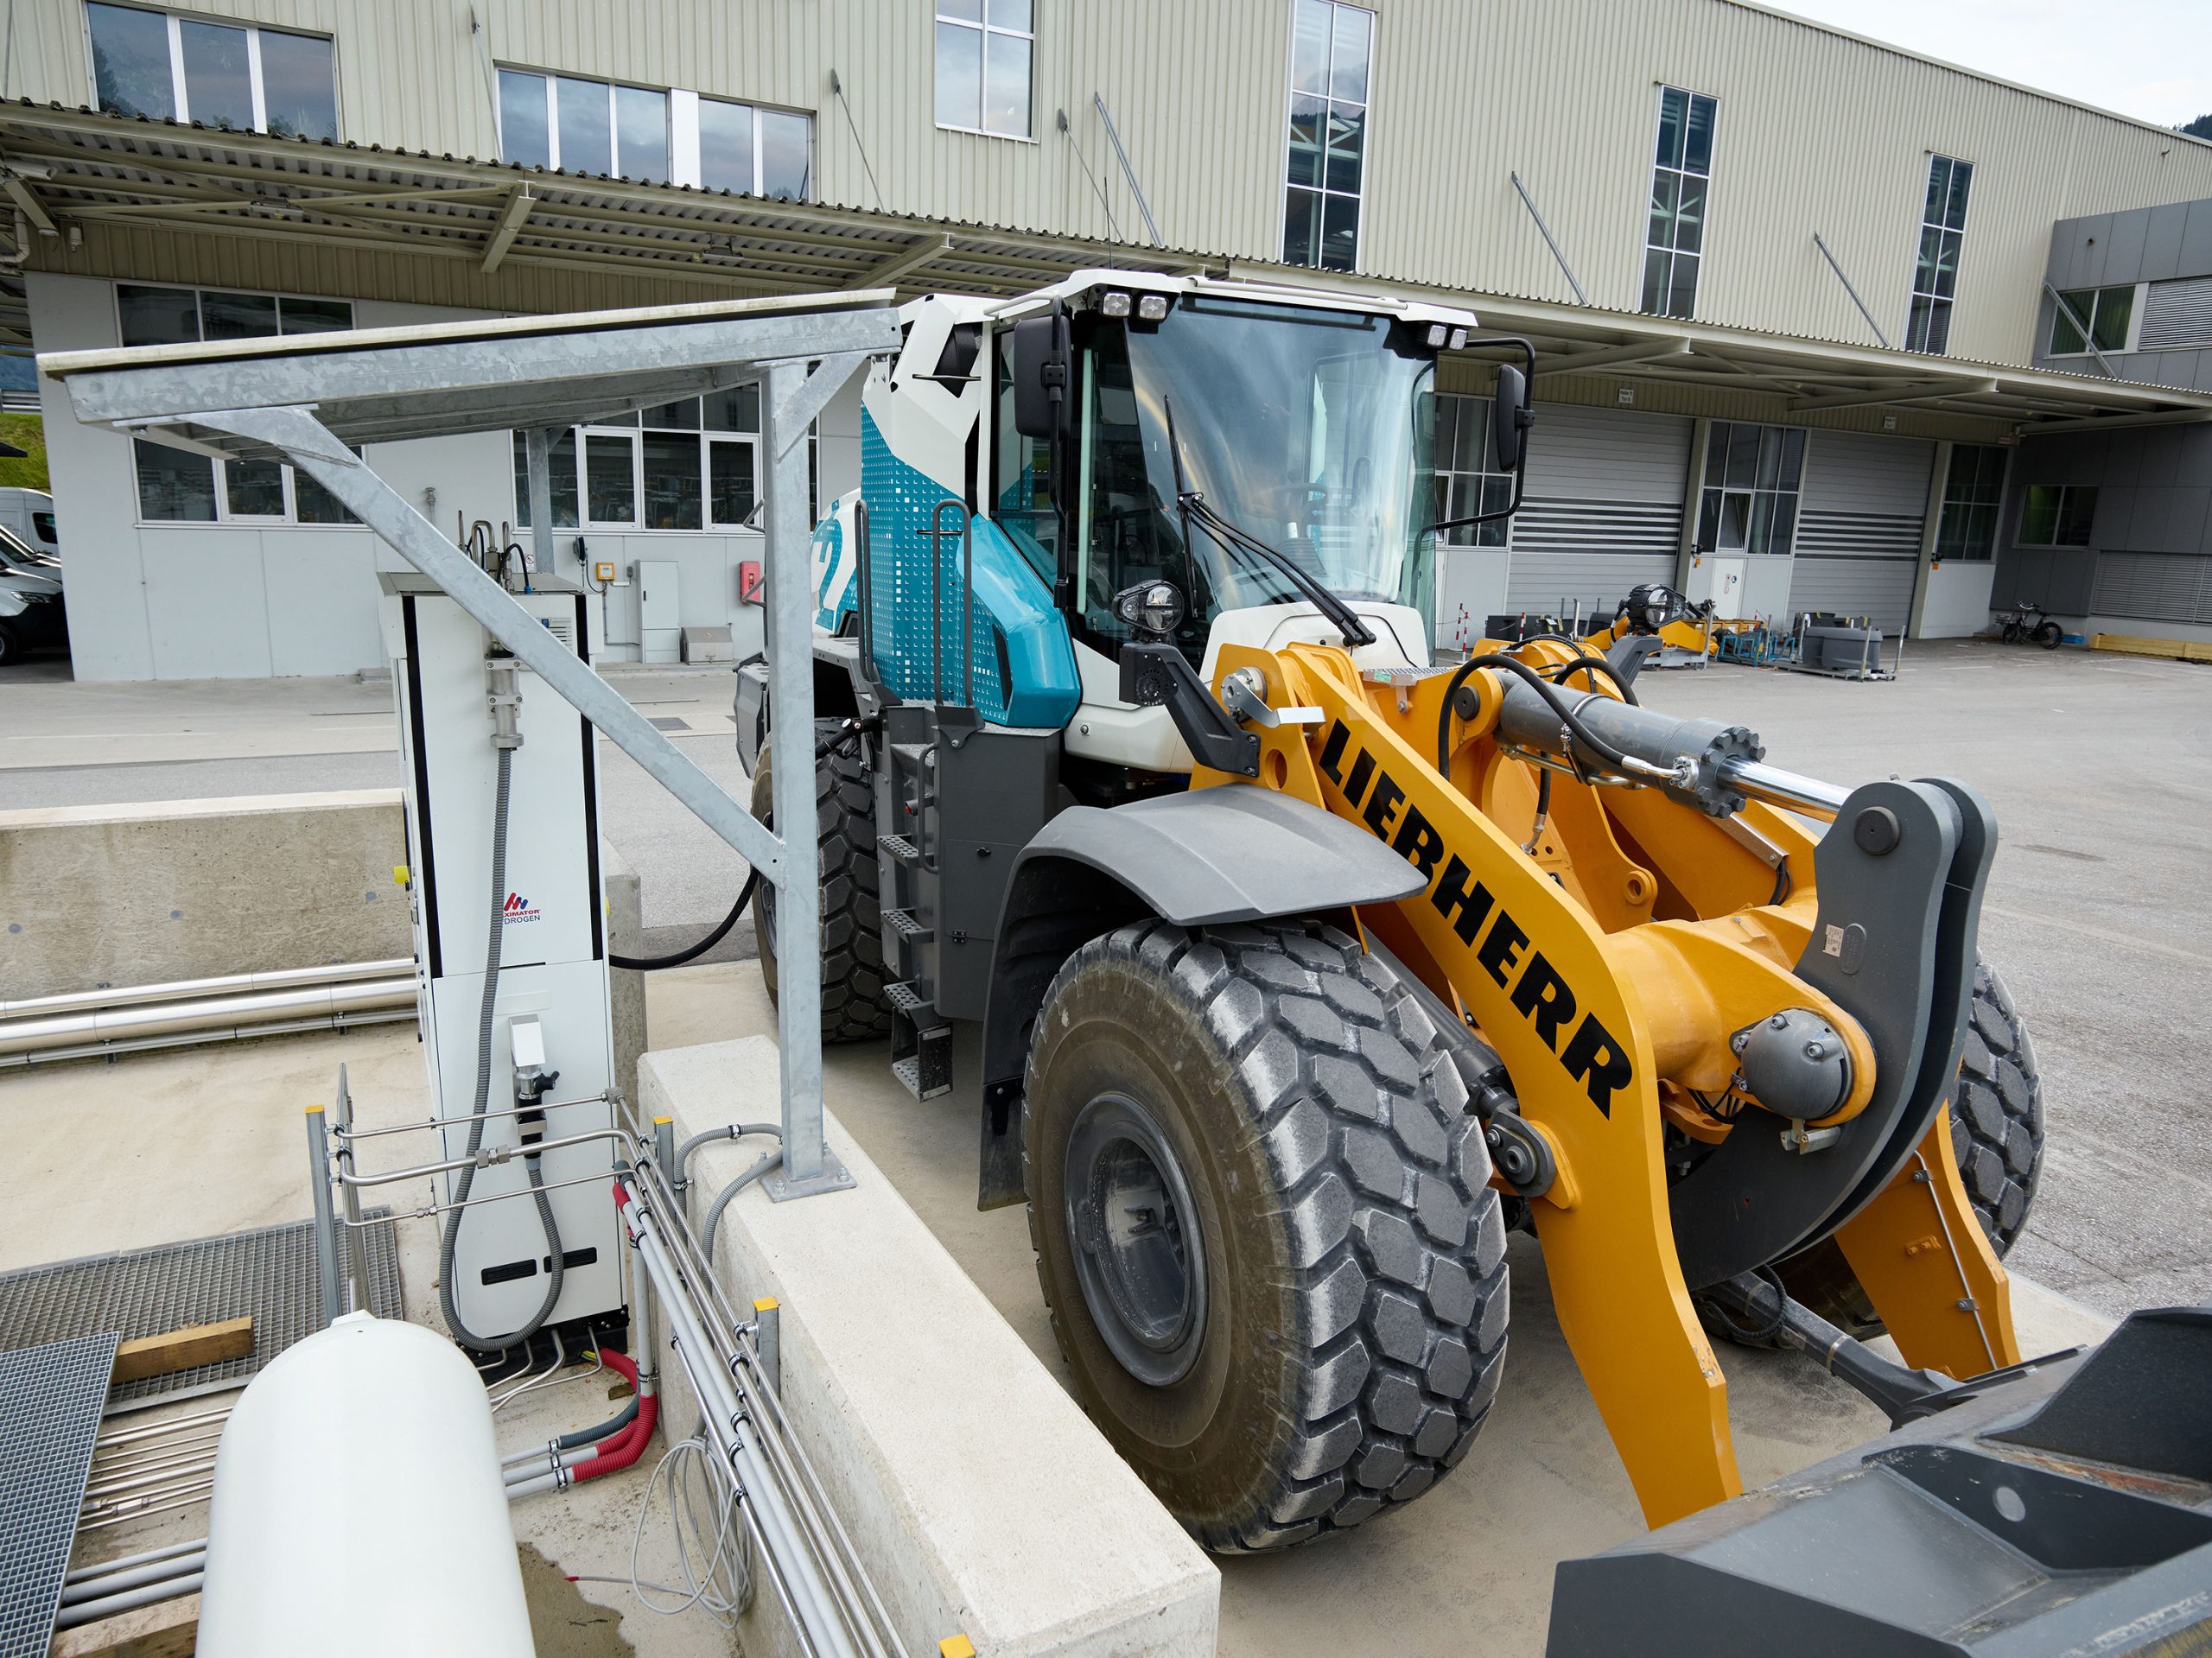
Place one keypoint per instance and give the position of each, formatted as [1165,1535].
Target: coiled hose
[462,1332]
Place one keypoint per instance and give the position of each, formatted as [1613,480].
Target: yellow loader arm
[1714,1061]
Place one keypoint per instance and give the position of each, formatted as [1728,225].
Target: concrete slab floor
[163,1146]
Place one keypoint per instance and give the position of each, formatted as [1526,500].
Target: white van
[30,513]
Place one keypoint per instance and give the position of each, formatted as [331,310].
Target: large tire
[1338,1330]
[2049,635]
[1997,1129]
[855,998]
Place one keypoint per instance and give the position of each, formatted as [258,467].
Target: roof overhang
[79,166]
[1811,376]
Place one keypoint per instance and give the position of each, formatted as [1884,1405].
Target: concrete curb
[981,1497]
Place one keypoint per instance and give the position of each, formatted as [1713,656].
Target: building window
[984,50]
[2086,318]
[177,488]
[1682,180]
[571,125]
[1332,48]
[2056,515]
[1974,495]
[246,79]
[1465,483]
[1936,273]
[1752,474]
[692,465]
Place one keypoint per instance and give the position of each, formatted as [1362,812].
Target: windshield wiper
[1230,538]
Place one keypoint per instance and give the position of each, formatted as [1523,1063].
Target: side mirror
[1512,417]
[1040,375]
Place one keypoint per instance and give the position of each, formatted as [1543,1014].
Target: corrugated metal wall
[1816,131]
[1603,510]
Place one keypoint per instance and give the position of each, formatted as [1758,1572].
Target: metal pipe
[490,1156]
[1130,173]
[91,1611]
[99,1586]
[125,1562]
[819,1618]
[129,1512]
[106,1025]
[75,1001]
[1819,242]
[1786,789]
[174,1425]
[1550,241]
[429,1124]
[326,1220]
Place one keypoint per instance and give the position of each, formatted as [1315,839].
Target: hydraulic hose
[692,953]
[1599,665]
[447,1303]
[1542,687]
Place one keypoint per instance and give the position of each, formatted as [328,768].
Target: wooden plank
[180,1349]
[168,1629]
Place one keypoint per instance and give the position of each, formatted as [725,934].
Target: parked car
[31,614]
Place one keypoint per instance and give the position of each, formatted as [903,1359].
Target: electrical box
[605,571]
[550,1012]
[660,609]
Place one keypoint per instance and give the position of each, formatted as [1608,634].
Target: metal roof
[84,164]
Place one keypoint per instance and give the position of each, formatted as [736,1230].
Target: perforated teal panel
[1017,648]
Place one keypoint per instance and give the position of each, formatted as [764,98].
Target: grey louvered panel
[1860,534]
[2176,314]
[1879,588]
[2156,587]
[1593,552]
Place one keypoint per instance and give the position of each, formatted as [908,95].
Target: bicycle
[2028,622]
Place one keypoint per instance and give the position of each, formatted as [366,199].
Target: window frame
[1996,507]
[1914,296]
[1645,247]
[2059,311]
[1320,189]
[1715,495]
[2058,517]
[984,28]
[1497,536]
[257,85]
[684,166]
[634,435]
[224,517]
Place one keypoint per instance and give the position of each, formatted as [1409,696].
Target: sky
[2151,58]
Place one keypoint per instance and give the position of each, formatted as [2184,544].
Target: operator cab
[1241,462]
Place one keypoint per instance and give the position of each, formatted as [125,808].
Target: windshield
[1308,429]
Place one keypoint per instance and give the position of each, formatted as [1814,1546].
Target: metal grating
[269,1272]
[50,1399]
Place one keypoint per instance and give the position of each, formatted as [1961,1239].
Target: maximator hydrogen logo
[519,908]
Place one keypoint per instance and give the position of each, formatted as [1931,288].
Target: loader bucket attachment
[2065,1511]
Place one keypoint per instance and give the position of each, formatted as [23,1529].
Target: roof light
[1153,307]
[1458,338]
[1436,334]
[1115,305]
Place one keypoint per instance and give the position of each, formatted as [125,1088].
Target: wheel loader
[1307,966]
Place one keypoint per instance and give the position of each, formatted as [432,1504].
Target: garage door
[1859,532]
[1603,510]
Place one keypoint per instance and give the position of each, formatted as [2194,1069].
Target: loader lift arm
[1627,965]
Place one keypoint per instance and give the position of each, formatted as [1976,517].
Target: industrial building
[1821,324]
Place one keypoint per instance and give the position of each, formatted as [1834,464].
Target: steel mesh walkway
[50,1400]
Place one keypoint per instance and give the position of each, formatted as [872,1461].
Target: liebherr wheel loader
[1307,966]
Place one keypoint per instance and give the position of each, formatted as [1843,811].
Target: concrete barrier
[979,1495]
[155,892]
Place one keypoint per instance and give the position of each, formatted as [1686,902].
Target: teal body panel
[1018,668]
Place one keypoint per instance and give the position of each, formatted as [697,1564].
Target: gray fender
[1200,858]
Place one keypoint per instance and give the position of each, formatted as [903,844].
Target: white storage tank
[358,1507]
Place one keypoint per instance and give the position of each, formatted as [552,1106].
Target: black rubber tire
[11,646]
[855,999]
[2048,635]
[1997,1134]
[1355,1328]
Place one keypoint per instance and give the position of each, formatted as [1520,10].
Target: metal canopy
[378,385]
[306,399]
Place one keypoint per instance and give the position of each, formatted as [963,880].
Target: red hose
[624,1448]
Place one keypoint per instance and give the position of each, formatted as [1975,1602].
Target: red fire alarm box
[748,581]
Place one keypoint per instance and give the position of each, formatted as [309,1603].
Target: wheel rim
[1139,1254]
